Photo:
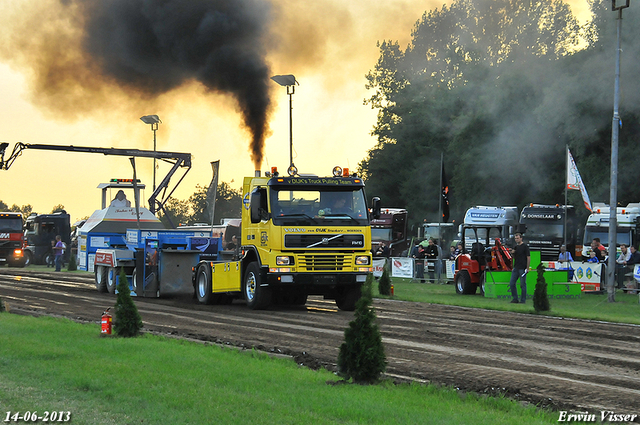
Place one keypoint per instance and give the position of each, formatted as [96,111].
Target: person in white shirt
[621,264]
[120,200]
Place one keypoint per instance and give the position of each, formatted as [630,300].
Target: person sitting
[593,257]
[233,244]
[120,200]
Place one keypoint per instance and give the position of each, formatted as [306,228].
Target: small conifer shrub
[540,298]
[361,355]
[73,265]
[127,321]
[384,284]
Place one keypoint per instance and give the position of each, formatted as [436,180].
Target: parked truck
[547,226]
[11,240]
[301,235]
[390,228]
[597,226]
[40,234]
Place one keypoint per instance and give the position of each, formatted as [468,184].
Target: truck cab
[11,240]
[597,226]
[301,235]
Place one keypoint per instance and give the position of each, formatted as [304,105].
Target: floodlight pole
[613,194]
[152,120]
[289,81]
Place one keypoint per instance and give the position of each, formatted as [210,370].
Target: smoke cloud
[85,52]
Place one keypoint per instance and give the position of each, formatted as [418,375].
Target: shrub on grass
[540,298]
[361,355]
[73,266]
[384,284]
[127,322]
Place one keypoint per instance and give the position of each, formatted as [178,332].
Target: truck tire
[134,284]
[101,278]
[112,274]
[203,285]
[347,299]
[463,284]
[28,258]
[258,297]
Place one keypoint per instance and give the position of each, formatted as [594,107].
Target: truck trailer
[301,235]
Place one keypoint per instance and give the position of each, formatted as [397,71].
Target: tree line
[500,88]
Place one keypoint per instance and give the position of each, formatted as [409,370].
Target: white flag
[574,181]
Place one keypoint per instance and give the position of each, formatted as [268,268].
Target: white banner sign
[378,266]
[401,267]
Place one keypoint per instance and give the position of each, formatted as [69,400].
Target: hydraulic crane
[177,160]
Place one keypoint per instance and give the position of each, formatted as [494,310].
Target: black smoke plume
[153,46]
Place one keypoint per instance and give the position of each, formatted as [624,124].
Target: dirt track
[563,363]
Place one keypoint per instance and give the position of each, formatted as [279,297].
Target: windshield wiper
[341,216]
[298,215]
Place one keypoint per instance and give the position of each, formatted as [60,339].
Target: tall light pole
[616,6]
[289,81]
[153,120]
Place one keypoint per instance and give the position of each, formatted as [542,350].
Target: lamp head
[150,119]
[285,80]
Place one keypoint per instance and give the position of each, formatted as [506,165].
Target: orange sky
[329,45]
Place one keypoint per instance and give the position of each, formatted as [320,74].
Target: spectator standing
[418,255]
[521,263]
[58,250]
[453,253]
[431,254]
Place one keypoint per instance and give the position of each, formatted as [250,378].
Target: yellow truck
[301,235]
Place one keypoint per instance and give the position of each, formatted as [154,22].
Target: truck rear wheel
[463,283]
[203,285]
[101,278]
[112,274]
[258,297]
[347,299]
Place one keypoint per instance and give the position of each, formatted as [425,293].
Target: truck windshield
[623,236]
[544,231]
[11,224]
[318,206]
[378,235]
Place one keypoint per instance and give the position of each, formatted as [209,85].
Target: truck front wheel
[101,278]
[203,285]
[348,298]
[112,275]
[258,297]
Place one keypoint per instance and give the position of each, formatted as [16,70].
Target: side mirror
[256,202]
[375,207]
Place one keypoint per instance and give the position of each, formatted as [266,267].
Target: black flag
[445,197]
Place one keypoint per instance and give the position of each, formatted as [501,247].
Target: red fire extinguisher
[106,322]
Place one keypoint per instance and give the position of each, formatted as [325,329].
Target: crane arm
[176,158]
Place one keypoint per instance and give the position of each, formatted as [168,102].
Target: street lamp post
[153,120]
[616,6]
[289,81]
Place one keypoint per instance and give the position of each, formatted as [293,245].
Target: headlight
[363,260]
[284,261]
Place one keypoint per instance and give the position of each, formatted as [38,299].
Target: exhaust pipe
[257,173]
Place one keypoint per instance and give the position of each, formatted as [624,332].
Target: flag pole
[566,186]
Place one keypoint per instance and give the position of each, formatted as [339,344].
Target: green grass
[626,309]
[49,364]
